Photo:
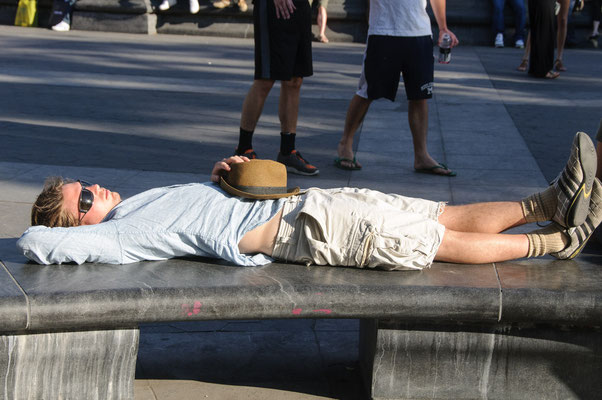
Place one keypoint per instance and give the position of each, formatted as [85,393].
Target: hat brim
[271,196]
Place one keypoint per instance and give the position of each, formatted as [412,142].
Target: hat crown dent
[257,179]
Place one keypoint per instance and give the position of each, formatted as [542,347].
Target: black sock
[245,141]
[287,143]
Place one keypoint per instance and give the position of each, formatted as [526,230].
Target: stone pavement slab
[133,112]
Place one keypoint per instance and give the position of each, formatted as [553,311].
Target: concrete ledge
[469,19]
[108,22]
[94,365]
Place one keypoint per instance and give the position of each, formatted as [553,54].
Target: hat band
[262,190]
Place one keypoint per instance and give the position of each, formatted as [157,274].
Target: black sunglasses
[86,199]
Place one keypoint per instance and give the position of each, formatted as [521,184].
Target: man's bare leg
[322,18]
[492,217]
[418,115]
[562,22]
[480,248]
[288,106]
[358,107]
[253,103]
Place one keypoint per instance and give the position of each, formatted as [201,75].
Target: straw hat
[257,179]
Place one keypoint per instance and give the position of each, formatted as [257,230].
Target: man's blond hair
[48,208]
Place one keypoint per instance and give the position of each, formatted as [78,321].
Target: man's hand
[453,37]
[223,166]
[284,8]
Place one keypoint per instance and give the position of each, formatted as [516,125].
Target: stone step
[469,19]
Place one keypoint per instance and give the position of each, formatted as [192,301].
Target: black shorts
[282,46]
[387,57]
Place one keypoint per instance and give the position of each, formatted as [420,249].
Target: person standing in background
[399,42]
[519,22]
[283,53]
[541,22]
[322,5]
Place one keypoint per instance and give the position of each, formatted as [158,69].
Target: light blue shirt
[194,219]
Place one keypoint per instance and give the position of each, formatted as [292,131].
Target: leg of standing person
[418,75]
[520,17]
[290,44]
[498,25]
[251,111]
[541,21]
[562,21]
[418,116]
[282,52]
[288,111]
[60,17]
[595,19]
[358,107]
[288,106]
[322,18]
[524,63]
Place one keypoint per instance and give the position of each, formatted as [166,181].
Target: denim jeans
[61,11]
[519,17]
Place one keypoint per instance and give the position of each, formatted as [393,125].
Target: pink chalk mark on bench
[323,310]
[196,308]
[297,311]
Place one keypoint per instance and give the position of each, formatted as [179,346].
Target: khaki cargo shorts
[360,228]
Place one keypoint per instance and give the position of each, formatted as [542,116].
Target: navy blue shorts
[387,57]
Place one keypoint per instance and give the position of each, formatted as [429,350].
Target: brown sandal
[523,65]
[552,75]
[559,66]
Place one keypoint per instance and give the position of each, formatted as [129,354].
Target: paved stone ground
[133,112]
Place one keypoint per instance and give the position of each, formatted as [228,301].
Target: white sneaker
[61,27]
[166,5]
[499,40]
[194,6]
[519,44]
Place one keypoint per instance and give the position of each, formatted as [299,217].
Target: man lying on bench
[251,218]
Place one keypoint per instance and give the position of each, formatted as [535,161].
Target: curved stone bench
[452,331]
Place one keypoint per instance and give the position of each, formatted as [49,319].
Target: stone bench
[525,329]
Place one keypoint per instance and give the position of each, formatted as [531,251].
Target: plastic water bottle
[445,49]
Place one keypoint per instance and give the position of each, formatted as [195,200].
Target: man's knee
[293,84]
[263,86]
[418,105]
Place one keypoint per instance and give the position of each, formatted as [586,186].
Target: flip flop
[339,160]
[431,170]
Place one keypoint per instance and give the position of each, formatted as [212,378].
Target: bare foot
[346,159]
[559,66]
[433,167]
[323,39]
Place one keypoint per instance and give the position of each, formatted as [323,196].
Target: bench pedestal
[69,365]
[461,361]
